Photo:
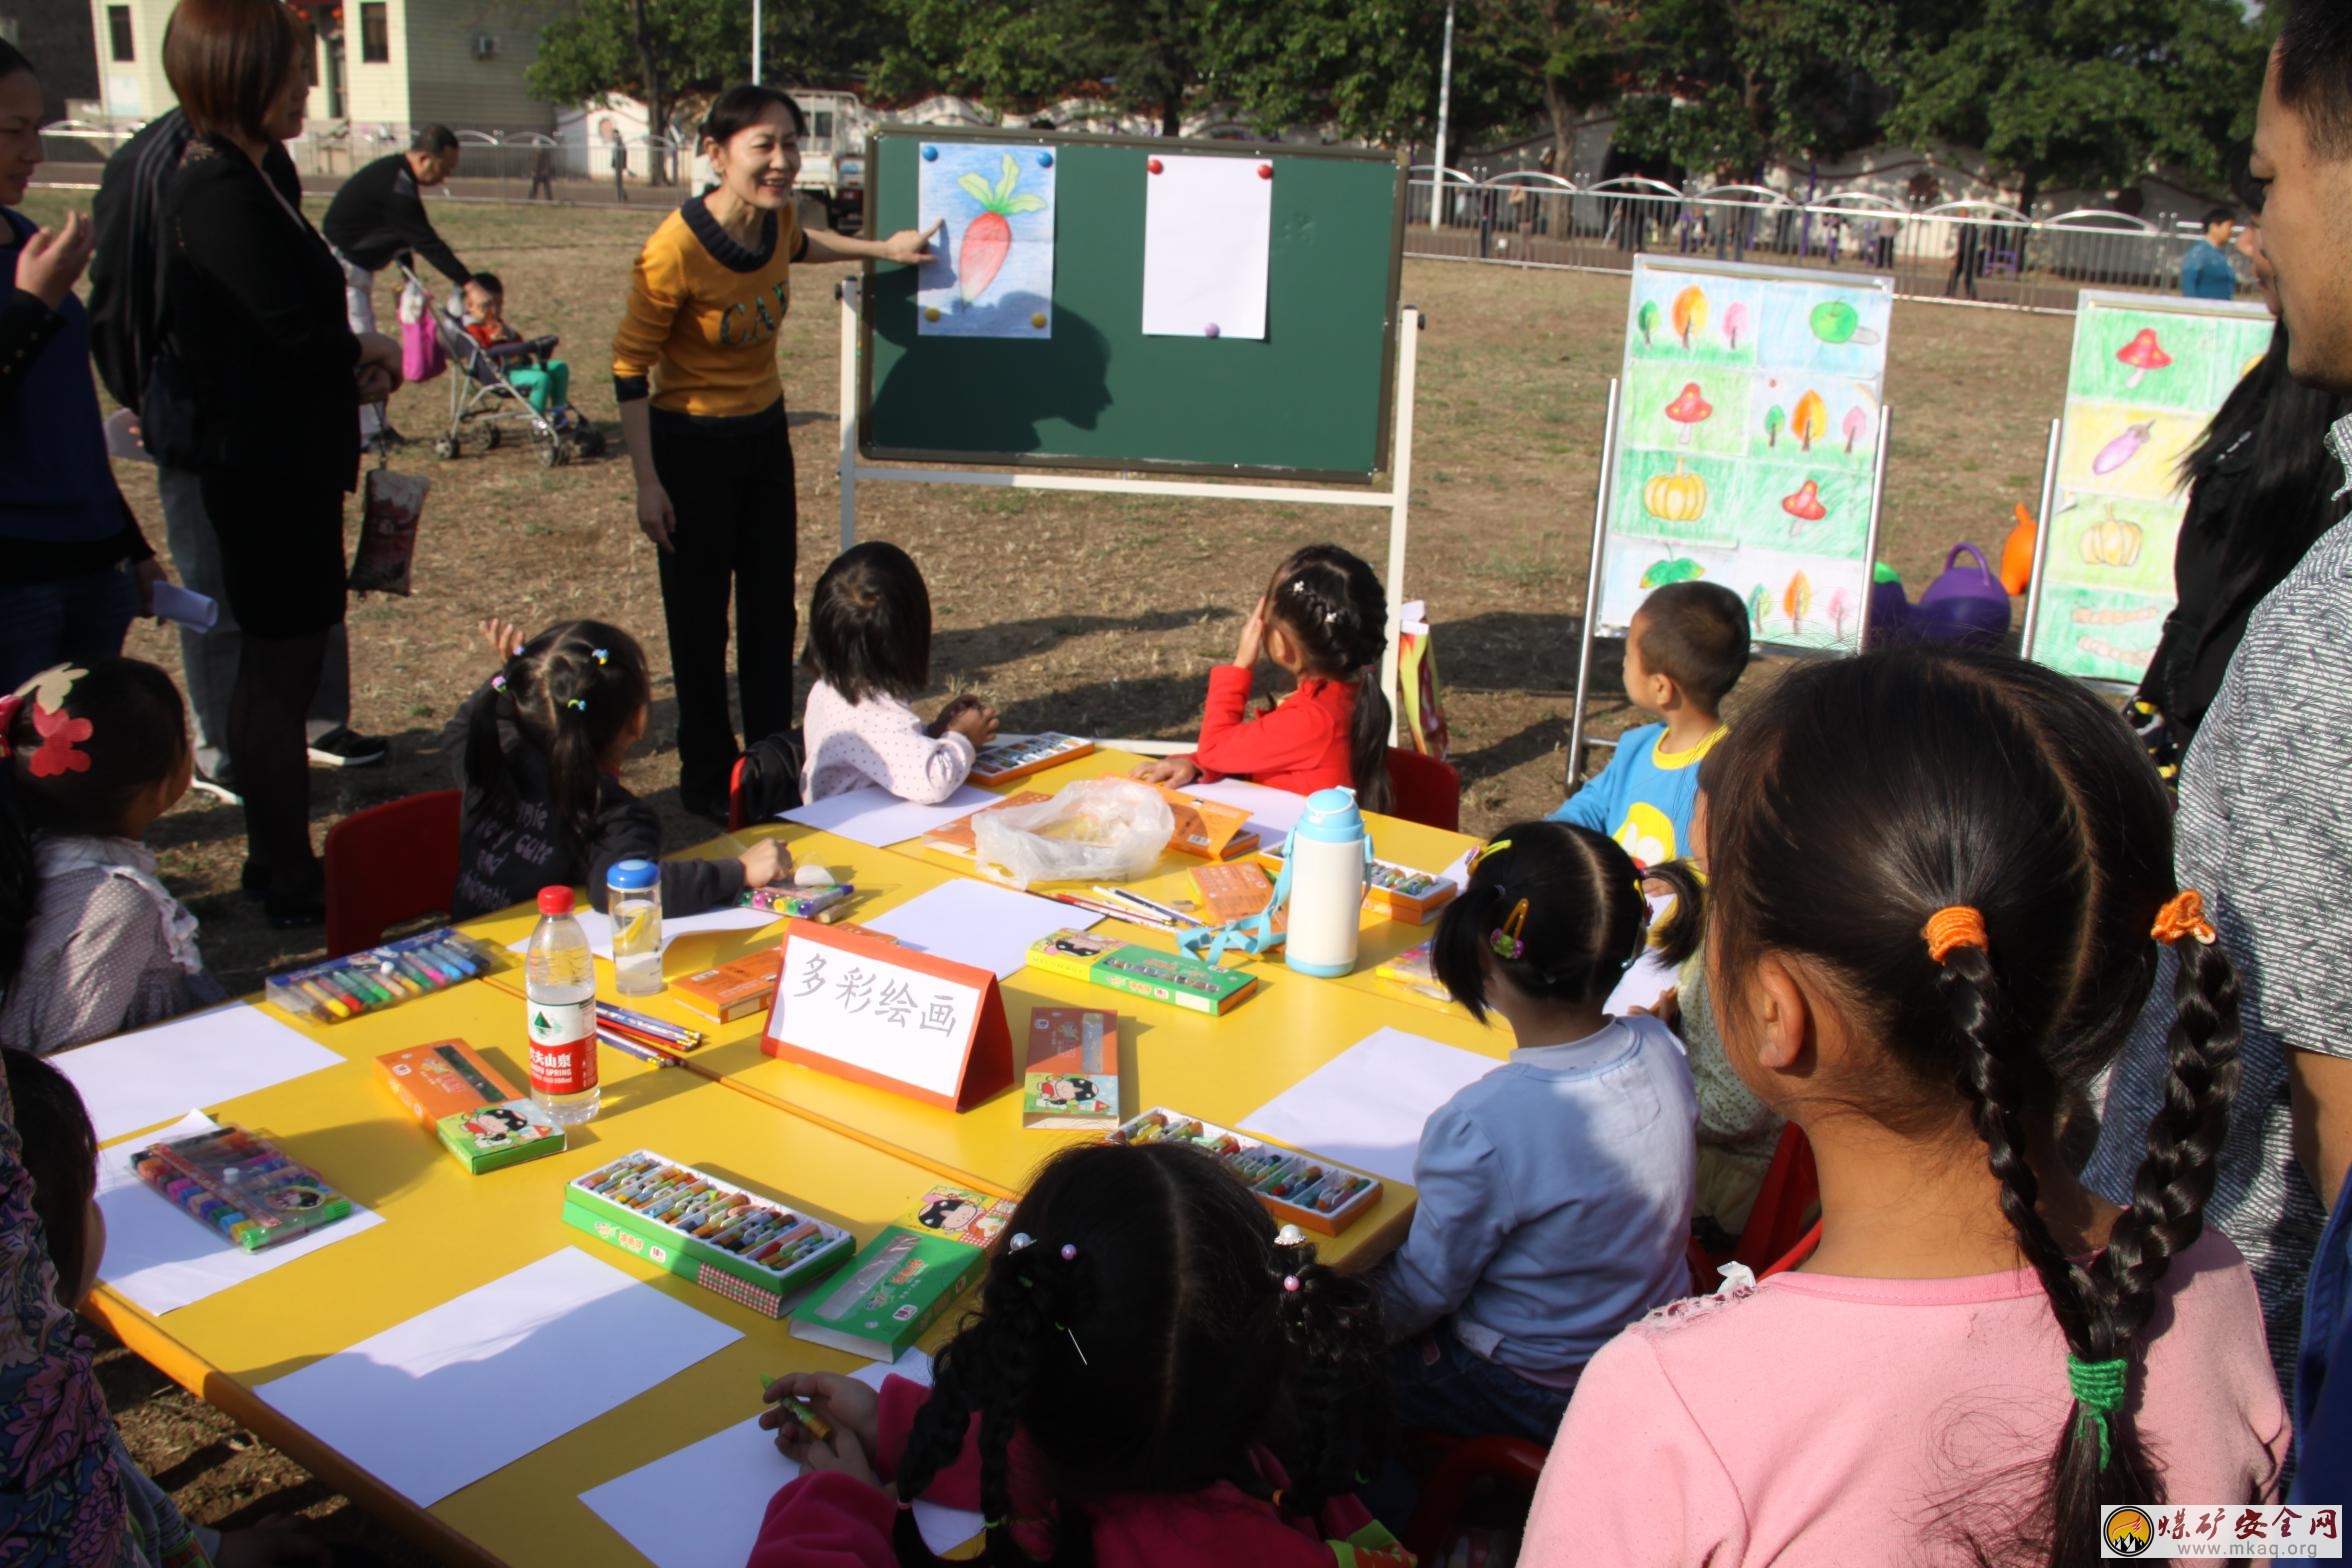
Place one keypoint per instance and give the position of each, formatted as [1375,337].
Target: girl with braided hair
[1940,883]
[544,741]
[1155,1376]
[1324,620]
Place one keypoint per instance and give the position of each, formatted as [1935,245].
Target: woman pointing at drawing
[702,410]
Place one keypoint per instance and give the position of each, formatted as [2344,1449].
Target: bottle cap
[555,901]
[632,876]
[1331,817]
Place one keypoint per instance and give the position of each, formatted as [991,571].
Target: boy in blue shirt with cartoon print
[1683,653]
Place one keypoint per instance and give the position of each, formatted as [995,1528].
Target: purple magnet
[1209,331]
[930,155]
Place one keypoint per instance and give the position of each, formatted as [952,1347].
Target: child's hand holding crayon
[1175,772]
[824,1421]
[968,716]
[766,862]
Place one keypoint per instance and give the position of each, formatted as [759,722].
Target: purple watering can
[1965,605]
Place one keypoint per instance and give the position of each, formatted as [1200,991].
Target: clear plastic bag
[1097,830]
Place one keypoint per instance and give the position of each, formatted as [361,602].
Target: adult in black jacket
[124,297]
[254,313]
[377,218]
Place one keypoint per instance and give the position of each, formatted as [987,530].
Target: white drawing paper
[979,924]
[153,1076]
[878,819]
[1366,1106]
[1208,228]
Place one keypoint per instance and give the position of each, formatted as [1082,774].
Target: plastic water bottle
[559,981]
[634,902]
[1329,850]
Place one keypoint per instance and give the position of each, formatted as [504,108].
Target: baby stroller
[484,400]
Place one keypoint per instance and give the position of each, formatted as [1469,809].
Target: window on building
[821,125]
[375,34]
[118,33]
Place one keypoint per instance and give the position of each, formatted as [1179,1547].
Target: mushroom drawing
[1759,606]
[1646,318]
[1773,420]
[1809,419]
[1797,599]
[1682,569]
[1805,506]
[1835,321]
[2143,353]
[1735,322]
[2123,448]
[1855,423]
[1688,409]
[1690,312]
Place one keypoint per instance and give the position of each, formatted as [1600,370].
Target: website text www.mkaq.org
[2218,1533]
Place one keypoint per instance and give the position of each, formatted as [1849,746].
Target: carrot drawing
[988,238]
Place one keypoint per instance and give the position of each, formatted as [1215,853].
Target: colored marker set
[381,977]
[241,1186]
[802,903]
[1302,1188]
[751,1249]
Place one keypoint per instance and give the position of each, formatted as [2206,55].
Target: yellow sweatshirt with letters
[698,334]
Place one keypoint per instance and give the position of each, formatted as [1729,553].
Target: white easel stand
[1397,498]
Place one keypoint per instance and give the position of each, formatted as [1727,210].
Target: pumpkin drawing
[1679,497]
[2111,542]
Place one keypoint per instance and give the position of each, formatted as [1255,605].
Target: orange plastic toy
[2017,556]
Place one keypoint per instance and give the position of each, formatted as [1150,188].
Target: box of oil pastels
[753,1250]
[384,976]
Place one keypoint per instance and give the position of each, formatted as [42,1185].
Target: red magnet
[1265,171]
[1154,165]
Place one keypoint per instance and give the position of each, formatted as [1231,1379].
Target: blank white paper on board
[1208,227]
[467,1388]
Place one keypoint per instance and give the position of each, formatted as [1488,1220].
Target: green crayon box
[755,1250]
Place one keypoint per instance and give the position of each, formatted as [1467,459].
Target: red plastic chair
[1426,790]
[1788,1201]
[388,864]
[1502,1463]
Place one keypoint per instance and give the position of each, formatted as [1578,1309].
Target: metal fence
[1974,251]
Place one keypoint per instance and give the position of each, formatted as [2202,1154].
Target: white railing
[1974,251]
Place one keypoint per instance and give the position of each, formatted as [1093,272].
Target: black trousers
[282,566]
[730,483]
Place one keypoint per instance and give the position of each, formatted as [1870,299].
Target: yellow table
[446,1232]
[852,1154]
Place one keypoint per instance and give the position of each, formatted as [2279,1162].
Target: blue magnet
[1045,160]
[930,155]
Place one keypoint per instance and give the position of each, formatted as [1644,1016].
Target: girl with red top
[1324,620]
[1146,1344]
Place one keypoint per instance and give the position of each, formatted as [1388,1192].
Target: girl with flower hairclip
[1555,1191]
[1155,1376]
[544,741]
[91,942]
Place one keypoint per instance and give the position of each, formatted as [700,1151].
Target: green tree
[1519,62]
[2084,92]
[1148,56]
[1725,87]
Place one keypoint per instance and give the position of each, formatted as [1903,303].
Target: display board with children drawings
[1748,425]
[2148,374]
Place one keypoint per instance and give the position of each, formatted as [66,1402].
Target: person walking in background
[266,380]
[1966,250]
[378,218]
[542,174]
[74,567]
[620,162]
[2206,272]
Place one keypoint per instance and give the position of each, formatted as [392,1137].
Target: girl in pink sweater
[1146,1345]
[1939,885]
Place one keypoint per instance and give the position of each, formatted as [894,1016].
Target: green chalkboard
[1310,400]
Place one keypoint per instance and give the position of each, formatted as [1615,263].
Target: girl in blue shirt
[1555,1192]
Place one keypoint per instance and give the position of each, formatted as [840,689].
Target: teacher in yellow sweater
[702,409]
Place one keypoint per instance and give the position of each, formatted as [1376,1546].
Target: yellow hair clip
[1509,940]
[1488,851]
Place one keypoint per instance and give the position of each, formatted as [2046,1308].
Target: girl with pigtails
[543,743]
[1940,883]
[1323,620]
[1155,1375]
